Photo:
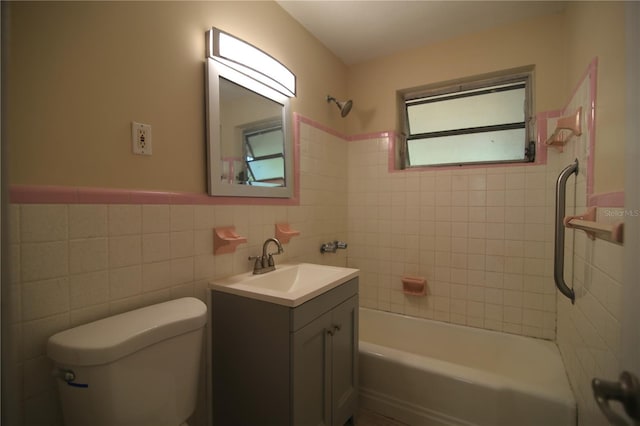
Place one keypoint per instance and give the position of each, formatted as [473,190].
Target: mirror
[249,142]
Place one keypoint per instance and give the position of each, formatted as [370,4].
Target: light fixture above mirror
[249,60]
[249,138]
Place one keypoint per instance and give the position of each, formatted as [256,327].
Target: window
[481,121]
[263,155]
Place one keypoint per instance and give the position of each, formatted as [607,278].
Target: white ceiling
[360,30]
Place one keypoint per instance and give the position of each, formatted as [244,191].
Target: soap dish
[414,286]
[225,240]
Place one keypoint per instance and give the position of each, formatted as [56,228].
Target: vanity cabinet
[280,365]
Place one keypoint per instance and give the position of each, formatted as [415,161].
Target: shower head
[344,107]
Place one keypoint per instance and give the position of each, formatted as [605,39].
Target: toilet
[139,368]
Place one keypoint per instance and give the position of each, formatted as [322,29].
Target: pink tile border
[610,199]
[298,118]
[374,135]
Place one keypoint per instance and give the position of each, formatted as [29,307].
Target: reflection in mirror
[249,141]
[252,140]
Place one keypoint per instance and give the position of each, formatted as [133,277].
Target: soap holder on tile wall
[284,232]
[612,232]
[414,286]
[225,240]
[565,128]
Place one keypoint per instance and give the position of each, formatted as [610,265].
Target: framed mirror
[249,138]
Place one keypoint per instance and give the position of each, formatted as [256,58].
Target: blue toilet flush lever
[69,376]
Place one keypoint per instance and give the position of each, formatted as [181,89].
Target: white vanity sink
[289,285]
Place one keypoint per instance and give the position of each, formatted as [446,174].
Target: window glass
[265,142]
[481,122]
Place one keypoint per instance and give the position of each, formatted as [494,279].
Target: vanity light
[250,61]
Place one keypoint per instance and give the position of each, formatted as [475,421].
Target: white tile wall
[72,264]
[465,231]
[589,331]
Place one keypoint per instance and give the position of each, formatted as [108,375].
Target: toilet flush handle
[68,376]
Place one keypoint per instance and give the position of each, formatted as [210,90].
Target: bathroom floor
[369,418]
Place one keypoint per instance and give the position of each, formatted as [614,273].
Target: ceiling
[357,31]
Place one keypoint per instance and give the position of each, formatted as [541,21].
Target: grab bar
[558,264]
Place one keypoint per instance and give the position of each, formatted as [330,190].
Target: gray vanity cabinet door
[312,373]
[344,366]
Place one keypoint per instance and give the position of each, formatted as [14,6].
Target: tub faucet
[332,246]
[265,263]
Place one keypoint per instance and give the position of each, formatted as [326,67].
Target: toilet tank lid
[111,338]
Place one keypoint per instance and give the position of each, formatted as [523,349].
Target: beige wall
[539,41]
[80,72]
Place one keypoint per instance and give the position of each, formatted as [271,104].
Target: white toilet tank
[139,368]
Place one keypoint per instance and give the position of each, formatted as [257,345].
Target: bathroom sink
[289,285]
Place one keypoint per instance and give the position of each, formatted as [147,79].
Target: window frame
[481,84]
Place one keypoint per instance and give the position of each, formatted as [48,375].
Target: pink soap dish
[225,240]
[284,232]
[414,286]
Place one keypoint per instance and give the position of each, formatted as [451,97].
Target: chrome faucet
[265,263]
[332,246]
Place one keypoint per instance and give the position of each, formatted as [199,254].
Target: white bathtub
[424,372]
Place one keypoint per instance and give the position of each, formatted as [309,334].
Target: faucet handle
[340,244]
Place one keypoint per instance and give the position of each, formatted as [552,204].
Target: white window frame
[444,90]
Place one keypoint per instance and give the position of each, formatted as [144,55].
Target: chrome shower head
[344,107]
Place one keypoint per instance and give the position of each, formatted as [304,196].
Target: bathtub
[424,372]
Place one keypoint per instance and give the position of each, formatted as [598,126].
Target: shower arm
[558,264]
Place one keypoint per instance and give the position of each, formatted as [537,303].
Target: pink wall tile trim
[42,194]
[298,118]
[592,73]
[610,199]
[375,135]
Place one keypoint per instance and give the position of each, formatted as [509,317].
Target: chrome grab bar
[558,264]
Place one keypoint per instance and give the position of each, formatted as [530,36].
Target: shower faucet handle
[332,246]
